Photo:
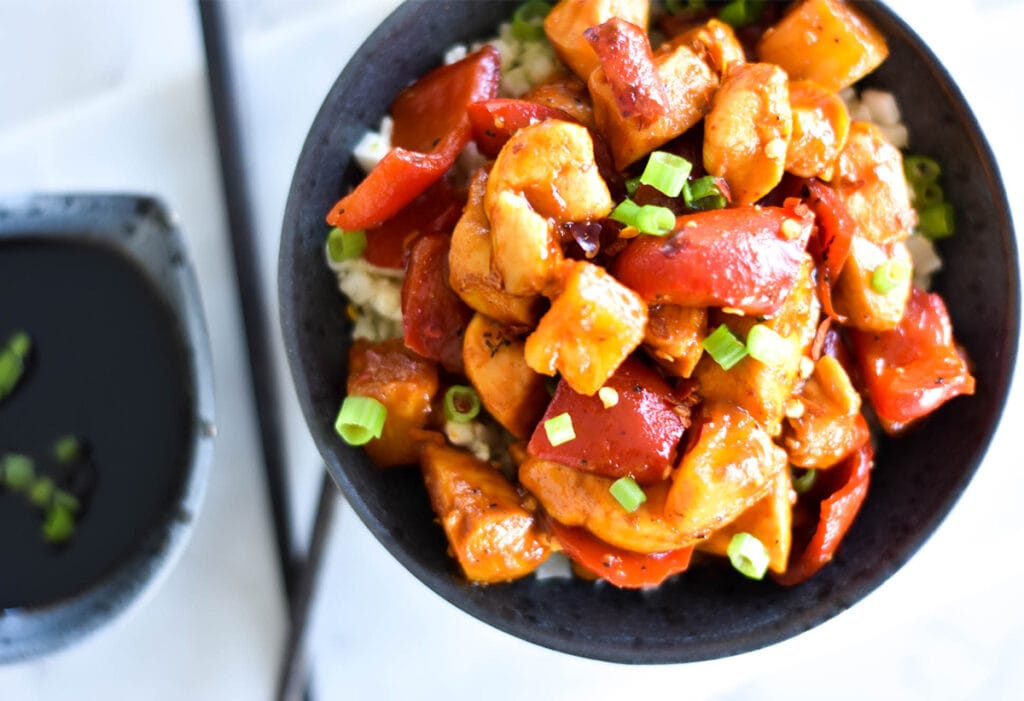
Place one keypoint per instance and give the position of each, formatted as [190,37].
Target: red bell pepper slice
[831,246]
[746,258]
[846,486]
[436,211]
[623,568]
[435,105]
[637,436]
[495,121]
[624,51]
[434,318]
[915,368]
[431,128]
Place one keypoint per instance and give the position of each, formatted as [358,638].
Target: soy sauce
[108,364]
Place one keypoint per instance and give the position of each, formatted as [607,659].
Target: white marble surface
[113,99]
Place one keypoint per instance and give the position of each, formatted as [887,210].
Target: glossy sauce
[107,364]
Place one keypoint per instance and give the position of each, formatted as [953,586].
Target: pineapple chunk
[826,41]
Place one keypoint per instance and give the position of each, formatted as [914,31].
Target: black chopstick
[291,680]
[247,272]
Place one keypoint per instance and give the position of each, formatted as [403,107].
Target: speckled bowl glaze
[709,612]
[140,230]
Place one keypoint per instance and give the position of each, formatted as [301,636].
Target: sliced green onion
[559,429]
[666,172]
[360,420]
[647,219]
[890,275]
[748,555]
[41,492]
[804,482]
[740,13]
[18,471]
[66,449]
[528,20]
[632,185]
[767,346]
[703,194]
[461,404]
[927,194]
[936,221]
[921,169]
[655,221]
[628,493]
[345,245]
[59,524]
[724,347]
[626,212]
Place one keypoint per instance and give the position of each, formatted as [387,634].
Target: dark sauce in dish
[108,364]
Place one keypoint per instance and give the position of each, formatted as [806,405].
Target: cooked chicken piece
[495,363]
[592,326]
[715,42]
[674,335]
[469,265]
[855,297]
[492,534]
[821,125]
[869,178]
[828,425]
[747,131]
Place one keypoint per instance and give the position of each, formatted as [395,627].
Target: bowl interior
[119,359]
[709,612]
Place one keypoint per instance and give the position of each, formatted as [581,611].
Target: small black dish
[709,612]
[121,359]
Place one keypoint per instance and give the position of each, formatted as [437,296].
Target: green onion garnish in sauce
[17,471]
[461,404]
[666,173]
[559,429]
[748,555]
[647,219]
[740,13]
[703,194]
[360,420]
[724,347]
[767,346]
[628,493]
[936,221]
[890,275]
[803,482]
[12,362]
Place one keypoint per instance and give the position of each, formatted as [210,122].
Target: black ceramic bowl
[708,612]
[120,358]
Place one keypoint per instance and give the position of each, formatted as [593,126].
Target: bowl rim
[454,593]
[140,228]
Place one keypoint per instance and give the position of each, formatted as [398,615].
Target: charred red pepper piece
[844,487]
[436,211]
[831,245]
[434,318]
[746,258]
[495,121]
[637,436]
[431,128]
[625,55]
[623,568]
[915,368]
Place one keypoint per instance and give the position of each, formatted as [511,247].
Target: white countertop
[110,95]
